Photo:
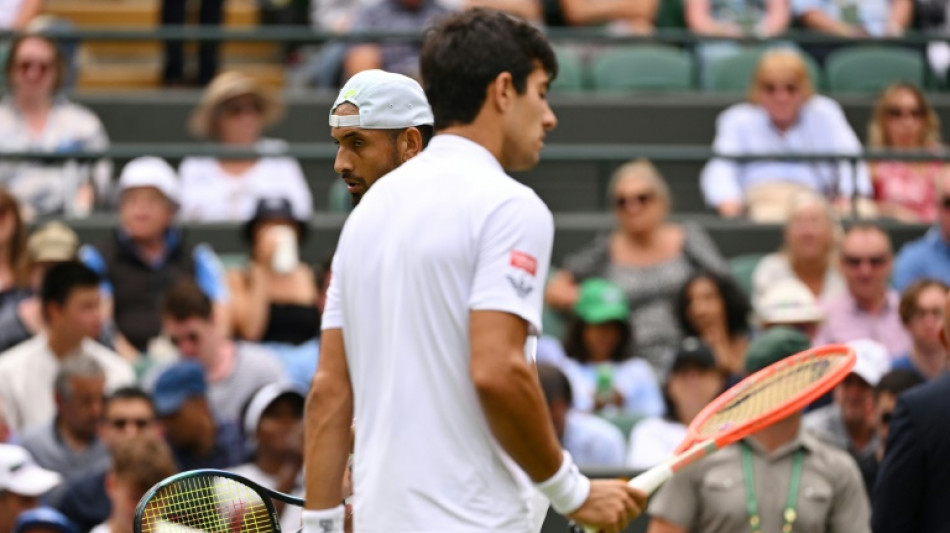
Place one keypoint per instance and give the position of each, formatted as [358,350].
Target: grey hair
[644,169]
[77,366]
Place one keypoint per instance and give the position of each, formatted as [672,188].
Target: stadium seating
[869,69]
[571,75]
[732,74]
[643,68]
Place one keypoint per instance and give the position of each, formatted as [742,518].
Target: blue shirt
[592,441]
[926,257]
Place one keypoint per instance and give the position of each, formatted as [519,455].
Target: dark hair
[63,278]
[897,381]
[59,59]
[426,131]
[554,384]
[466,52]
[908,305]
[734,300]
[574,341]
[185,300]
[127,393]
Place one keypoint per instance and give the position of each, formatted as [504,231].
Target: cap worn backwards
[385,100]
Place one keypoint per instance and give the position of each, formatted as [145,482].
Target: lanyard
[752,503]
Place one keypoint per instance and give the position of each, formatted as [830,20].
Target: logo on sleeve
[524,261]
[521,286]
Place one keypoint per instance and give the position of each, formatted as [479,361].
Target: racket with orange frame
[760,400]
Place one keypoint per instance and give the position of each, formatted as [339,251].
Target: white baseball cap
[149,171]
[386,101]
[20,475]
[872,360]
[789,302]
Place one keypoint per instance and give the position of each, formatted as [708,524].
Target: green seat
[643,68]
[623,421]
[742,267]
[869,69]
[734,73]
[570,72]
[339,199]
[233,261]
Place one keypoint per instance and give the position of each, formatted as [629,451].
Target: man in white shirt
[71,310]
[436,288]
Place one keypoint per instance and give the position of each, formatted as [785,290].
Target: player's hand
[611,505]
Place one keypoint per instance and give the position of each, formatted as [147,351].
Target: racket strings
[206,504]
[772,392]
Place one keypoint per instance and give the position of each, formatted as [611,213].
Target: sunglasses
[901,112]
[634,200]
[236,109]
[935,312]
[772,88]
[886,417]
[26,66]
[139,423]
[856,261]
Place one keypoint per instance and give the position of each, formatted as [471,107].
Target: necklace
[752,503]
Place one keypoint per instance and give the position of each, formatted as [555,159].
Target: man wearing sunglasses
[928,256]
[869,309]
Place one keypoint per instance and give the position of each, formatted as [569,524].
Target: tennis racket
[209,501]
[760,400]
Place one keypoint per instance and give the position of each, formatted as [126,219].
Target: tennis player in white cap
[379,120]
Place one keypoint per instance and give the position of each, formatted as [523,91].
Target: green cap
[773,345]
[601,301]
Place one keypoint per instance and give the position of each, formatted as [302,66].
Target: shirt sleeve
[906,268]
[332,317]
[209,274]
[91,257]
[514,253]
[897,492]
[720,177]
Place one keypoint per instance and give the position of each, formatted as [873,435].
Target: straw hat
[224,87]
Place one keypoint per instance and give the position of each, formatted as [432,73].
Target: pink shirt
[899,183]
[846,322]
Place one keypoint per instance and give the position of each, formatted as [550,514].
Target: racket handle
[647,482]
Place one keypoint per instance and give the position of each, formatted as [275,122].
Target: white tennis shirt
[446,233]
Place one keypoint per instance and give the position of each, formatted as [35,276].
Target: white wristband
[567,489]
[324,520]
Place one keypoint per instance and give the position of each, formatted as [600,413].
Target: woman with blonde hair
[649,257]
[234,111]
[903,120]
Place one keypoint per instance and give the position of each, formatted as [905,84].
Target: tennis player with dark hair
[435,295]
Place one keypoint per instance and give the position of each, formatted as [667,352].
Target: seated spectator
[35,118]
[904,121]
[138,464]
[196,438]
[69,442]
[274,300]
[234,370]
[127,414]
[605,375]
[869,308]
[809,253]
[43,520]
[71,311]
[273,429]
[783,115]
[646,255]
[22,483]
[789,303]
[711,495]
[591,440]
[715,309]
[921,311]
[888,389]
[929,256]
[620,16]
[146,254]
[850,422]
[391,15]
[235,110]
[530,10]
[854,18]
[692,382]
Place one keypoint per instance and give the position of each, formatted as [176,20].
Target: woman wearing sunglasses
[904,121]
[649,257]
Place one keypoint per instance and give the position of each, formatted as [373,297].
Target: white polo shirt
[446,233]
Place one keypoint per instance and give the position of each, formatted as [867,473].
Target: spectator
[855,18]
[273,428]
[19,13]
[128,414]
[869,309]
[234,371]
[711,496]
[649,257]
[888,389]
[196,438]
[34,118]
[392,15]
[810,252]
[324,68]
[234,111]
[620,16]
[173,14]
[789,303]
[928,256]
[591,440]
[275,297]
[692,382]
[715,309]
[146,254]
[604,374]
[850,423]
[783,115]
[903,120]
[530,10]
[70,304]
[20,316]
[22,482]
[43,520]
[138,464]
[69,442]
[921,311]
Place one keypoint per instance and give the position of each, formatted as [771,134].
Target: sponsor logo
[521,286]
[524,261]
[326,525]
